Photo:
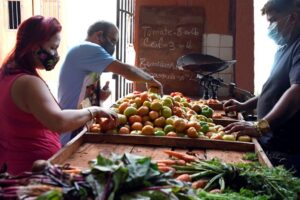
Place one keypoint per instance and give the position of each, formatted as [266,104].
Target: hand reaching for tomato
[107,124]
[241,129]
[107,117]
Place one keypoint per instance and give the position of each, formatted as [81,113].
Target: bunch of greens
[271,183]
[250,157]
[132,177]
[243,194]
[49,183]
[128,176]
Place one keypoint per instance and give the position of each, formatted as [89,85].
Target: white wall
[76,17]
[80,14]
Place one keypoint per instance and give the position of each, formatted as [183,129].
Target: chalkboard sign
[165,34]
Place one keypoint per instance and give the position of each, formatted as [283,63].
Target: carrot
[184,177]
[182,156]
[72,171]
[166,161]
[199,184]
[161,164]
[180,162]
[165,168]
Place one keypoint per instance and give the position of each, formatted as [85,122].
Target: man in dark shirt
[278,105]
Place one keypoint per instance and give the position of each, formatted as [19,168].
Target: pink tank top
[23,139]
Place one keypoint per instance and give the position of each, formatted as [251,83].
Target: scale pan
[202,64]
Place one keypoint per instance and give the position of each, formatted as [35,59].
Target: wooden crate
[225,119]
[86,146]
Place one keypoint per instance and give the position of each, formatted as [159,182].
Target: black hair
[280,6]
[100,26]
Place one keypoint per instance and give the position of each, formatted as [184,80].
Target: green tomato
[228,137]
[204,128]
[207,111]
[159,133]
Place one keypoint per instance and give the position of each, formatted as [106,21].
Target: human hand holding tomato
[242,128]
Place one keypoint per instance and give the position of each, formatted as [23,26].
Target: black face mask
[48,60]
[108,46]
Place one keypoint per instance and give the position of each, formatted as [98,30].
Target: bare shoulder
[29,84]
[29,81]
[28,89]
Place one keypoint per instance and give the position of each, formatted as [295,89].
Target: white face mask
[278,36]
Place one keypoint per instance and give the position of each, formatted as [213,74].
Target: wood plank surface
[69,149]
[226,119]
[169,141]
[87,147]
[82,156]
[226,156]
[142,150]
[201,154]
[121,149]
[158,153]
[262,157]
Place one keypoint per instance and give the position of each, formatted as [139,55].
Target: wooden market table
[87,146]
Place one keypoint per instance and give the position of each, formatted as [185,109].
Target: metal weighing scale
[205,66]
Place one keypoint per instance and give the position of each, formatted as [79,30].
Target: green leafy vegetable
[51,195]
[250,157]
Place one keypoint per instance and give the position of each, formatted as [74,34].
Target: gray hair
[281,6]
[100,26]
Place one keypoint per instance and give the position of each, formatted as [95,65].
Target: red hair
[31,35]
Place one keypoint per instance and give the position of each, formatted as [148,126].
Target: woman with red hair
[30,118]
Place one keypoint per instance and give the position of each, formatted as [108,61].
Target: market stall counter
[87,145]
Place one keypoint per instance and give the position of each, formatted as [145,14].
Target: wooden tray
[86,146]
[225,119]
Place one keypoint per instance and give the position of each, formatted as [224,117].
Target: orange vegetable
[161,164]
[95,128]
[166,161]
[182,156]
[180,162]
[199,184]
[123,106]
[137,126]
[176,94]
[135,118]
[165,168]
[107,124]
[124,130]
[72,171]
[171,134]
[184,177]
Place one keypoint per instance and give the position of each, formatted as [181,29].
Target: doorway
[264,48]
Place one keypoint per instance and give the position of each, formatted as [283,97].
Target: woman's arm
[32,95]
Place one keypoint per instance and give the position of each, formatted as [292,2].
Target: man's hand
[155,84]
[242,128]
[233,105]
